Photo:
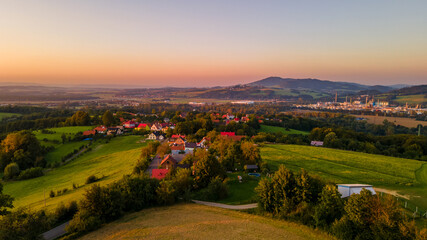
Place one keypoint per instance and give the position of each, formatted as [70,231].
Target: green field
[107,160]
[240,193]
[274,129]
[411,99]
[191,221]
[3,115]
[62,150]
[69,132]
[407,177]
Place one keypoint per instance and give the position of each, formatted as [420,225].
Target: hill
[191,221]
[316,85]
[406,176]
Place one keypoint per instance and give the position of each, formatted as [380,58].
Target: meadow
[407,122]
[191,221]
[4,115]
[108,161]
[56,136]
[407,177]
[412,99]
[274,129]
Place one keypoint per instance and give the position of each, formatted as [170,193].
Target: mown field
[3,115]
[408,177]
[56,136]
[407,122]
[274,129]
[411,99]
[191,221]
[109,161]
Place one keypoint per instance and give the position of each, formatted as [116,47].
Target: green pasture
[407,177]
[56,136]
[411,99]
[62,150]
[4,115]
[108,161]
[274,129]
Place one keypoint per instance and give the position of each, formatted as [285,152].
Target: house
[168,162]
[228,134]
[156,127]
[178,141]
[189,147]
[156,136]
[316,143]
[89,133]
[143,126]
[251,168]
[347,189]
[115,130]
[165,129]
[177,149]
[159,173]
[166,120]
[129,124]
[204,142]
[101,129]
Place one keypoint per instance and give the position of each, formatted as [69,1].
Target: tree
[329,139]
[107,118]
[6,201]
[21,147]
[329,208]
[11,171]
[250,153]
[63,138]
[206,168]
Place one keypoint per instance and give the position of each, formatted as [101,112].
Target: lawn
[407,177]
[69,132]
[62,150]
[274,129]
[3,115]
[107,160]
[191,221]
[240,193]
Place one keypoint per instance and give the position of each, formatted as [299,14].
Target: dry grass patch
[191,221]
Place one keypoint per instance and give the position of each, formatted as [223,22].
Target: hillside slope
[191,221]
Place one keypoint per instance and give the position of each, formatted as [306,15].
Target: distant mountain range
[318,85]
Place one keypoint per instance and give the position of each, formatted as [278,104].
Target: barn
[347,189]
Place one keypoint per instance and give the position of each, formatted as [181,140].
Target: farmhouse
[168,162]
[316,143]
[115,130]
[89,133]
[347,189]
[129,124]
[101,129]
[156,136]
[156,127]
[159,173]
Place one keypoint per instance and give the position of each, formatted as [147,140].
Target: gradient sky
[210,43]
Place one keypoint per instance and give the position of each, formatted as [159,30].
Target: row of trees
[307,199]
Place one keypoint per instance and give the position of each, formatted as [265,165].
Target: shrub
[64,212]
[217,189]
[75,186]
[11,171]
[31,173]
[165,193]
[64,190]
[83,222]
[141,166]
[91,179]
[52,194]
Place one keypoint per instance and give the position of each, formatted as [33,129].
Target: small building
[101,129]
[251,168]
[159,173]
[189,147]
[347,189]
[129,124]
[177,149]
[156,136]
[316,143]
[89,133]
[115,130]
[156,127]
[168,162]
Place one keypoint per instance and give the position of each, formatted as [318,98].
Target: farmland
[274,129]
[190,221]
[407,177]
[3,115]
[407,122]
[412,99]
[57,132]
[108,161]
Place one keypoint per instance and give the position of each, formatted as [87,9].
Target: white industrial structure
[347,189]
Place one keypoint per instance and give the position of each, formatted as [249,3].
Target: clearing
[274,129]
[3,115]
[191,221]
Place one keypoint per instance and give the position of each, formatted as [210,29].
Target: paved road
[226,206]
[55,232]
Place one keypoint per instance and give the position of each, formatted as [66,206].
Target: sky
[212,43]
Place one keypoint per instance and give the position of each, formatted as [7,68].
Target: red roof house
[228,134]
[89,133]
[159,173]
[168,162]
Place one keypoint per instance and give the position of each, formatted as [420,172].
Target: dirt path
[226,206]
[55,233]
[391,192]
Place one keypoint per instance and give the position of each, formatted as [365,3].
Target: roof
[354,185]
[190,145]
[170,158]
[90,132]
[159,173]
[100,128]
[177,136]
[176,148]
[228,134]
[249,166]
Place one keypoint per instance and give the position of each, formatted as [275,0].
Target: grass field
[411,99]
[240,193]
[63,150]
[69,132]
[110,161]
[407,177]
[191,221]
[274,129]
[407,122]
[3,115]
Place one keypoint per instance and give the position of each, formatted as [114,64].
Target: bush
[217,189]
[83,222]
[11,171]
[165,193]
[141,166]
[52,194]
[63,213]
[31,173]
[91,179]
